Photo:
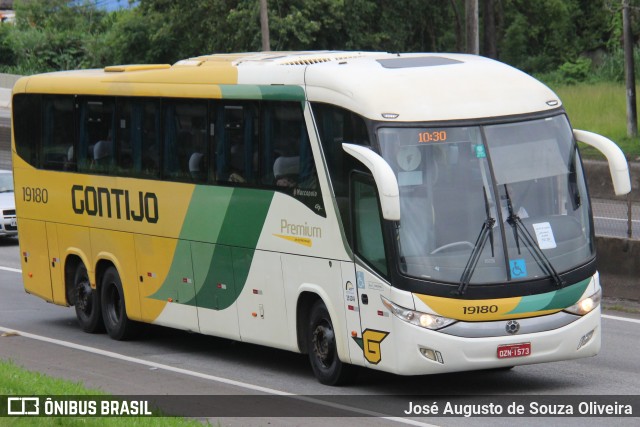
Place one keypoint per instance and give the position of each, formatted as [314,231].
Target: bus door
[370,270]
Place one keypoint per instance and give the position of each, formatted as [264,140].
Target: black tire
[118,325]
[323,354]
[86,302]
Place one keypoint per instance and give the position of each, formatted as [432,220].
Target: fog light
[585,339]
[432,354]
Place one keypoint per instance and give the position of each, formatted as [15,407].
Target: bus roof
[377,85]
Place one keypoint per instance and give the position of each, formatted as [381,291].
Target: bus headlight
[424,320]
[585,305]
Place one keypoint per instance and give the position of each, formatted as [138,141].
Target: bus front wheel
[323,353]
[118,325]
[86,302]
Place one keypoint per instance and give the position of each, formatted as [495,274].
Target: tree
[54,34]
[264,25]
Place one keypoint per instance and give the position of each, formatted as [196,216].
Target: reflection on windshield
[6,183]
[455,180]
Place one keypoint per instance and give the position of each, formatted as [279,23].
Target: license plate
[14,223]
[514,350]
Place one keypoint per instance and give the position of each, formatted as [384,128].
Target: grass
[15,380]
[600,108]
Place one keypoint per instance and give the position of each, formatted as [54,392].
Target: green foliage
[601,108]
[52,35]
[7,56]
[541,34]
[575,71]
[551,38]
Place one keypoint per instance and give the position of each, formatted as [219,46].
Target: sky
[111,5]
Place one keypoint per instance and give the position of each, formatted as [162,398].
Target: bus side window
[335,126]
[237,143]
[96,148]
[58,152]
[126,141]
[147,137]
[137,145]
[369,242]
[288,162]
[27,116]
[185,134]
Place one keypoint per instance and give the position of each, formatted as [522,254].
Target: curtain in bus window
[237,145]
[96,147]
[185,140]
[137,147]
[58,152]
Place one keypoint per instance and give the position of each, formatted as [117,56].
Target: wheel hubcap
[323,344]
[83,296]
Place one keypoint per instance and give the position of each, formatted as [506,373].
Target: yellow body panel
[473,310]
[153,258]
[118,248]
[57,271]
[173,201]
[35,258]
[178,81]
[75,240]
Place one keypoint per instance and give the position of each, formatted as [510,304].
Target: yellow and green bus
[413,213]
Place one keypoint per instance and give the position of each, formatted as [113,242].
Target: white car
[8,224]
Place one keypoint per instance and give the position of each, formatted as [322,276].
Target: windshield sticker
[518,268]
[480,151]
[360,279]
[544,234]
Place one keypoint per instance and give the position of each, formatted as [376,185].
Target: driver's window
[369,242]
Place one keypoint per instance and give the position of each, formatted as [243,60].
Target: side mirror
[384,177]
[617,163]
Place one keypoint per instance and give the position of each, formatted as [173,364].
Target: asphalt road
[165,361]
[610,218]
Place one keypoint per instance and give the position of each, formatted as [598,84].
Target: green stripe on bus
[568,296]
[224,225]
[559,299]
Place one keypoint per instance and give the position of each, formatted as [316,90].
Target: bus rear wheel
[323,353]
[118,325]
[86,302]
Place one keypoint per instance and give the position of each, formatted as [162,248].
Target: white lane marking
[240,384]
[624,319]
[13,270]
[615,219]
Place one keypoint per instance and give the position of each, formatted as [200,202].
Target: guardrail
[614,216]
[8,80]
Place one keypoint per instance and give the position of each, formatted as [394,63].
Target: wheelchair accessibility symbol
[518,268]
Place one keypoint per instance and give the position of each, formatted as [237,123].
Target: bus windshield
[491,203]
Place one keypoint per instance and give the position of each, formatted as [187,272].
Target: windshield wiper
[472,262]
[541,259]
